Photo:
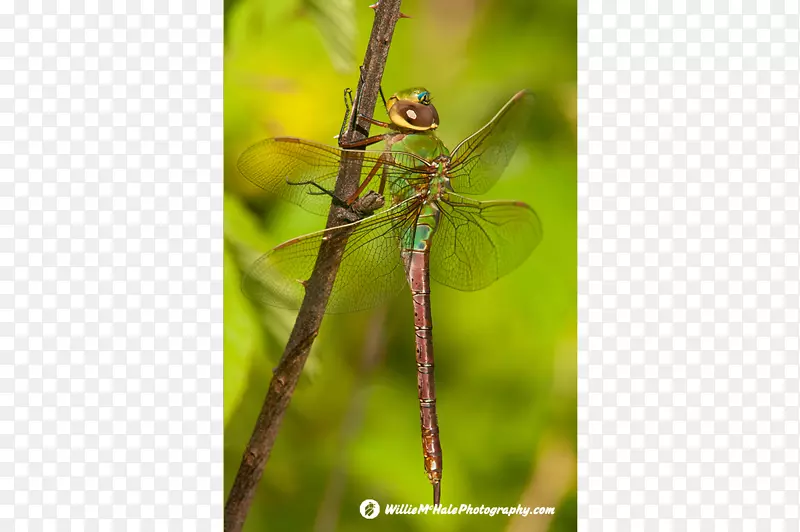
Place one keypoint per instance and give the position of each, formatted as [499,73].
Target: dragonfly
[413,222]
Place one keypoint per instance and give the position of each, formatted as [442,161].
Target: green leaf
[242,339]
[335,20]
[243,230]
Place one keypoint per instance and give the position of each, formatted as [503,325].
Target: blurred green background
[506,355]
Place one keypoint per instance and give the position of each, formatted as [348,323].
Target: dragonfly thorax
[434,155]
[440,182]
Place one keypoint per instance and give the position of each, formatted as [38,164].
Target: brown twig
[318,288]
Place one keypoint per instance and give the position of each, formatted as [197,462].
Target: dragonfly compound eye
[413,115]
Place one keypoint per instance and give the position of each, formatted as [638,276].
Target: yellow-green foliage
[506,355]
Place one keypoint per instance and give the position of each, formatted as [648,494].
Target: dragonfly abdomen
[417,257]
[419,282]
[420,235]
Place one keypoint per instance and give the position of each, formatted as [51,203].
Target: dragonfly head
[412,109]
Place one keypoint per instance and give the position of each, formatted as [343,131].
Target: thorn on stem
[375,6]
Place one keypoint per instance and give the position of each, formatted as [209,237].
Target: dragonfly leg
[366,142]
[357,103]
[348,104]
[383,182]
[374,122]
[355,210]
[366,182]
[348,95]
[322,190]
[383,98]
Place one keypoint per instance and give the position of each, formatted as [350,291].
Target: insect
[412,222]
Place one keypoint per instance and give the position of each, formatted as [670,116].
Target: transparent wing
[371,269]
[477,242]
[301,171]
[479,161]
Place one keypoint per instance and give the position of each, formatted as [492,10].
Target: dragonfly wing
[371,269]
[479,160]
[477,242]
[305,172]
